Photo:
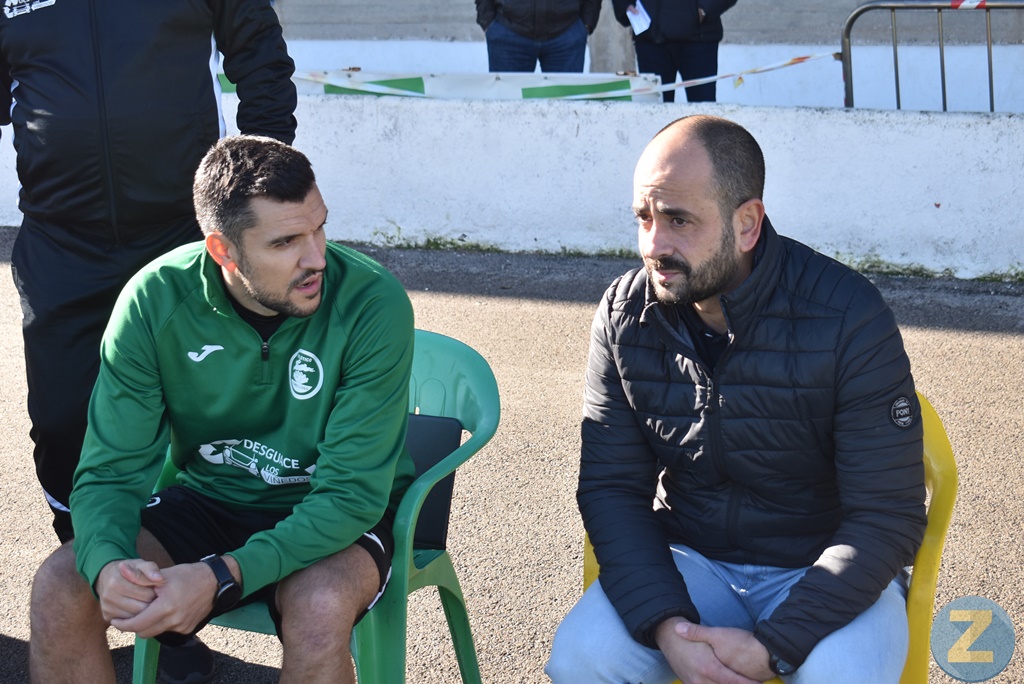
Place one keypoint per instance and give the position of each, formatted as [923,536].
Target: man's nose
[656,239]
[313,256]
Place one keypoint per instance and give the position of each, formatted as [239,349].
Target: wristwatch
[779,666]
[229,592]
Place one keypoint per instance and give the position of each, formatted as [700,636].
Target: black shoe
[190,663]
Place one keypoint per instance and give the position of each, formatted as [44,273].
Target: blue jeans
[508,51]
[592,644]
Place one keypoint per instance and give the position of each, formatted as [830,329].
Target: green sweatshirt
[312,422]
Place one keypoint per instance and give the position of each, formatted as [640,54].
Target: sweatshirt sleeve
[362,464]
[256,60]
[124,448]
[878,456]
[617,487]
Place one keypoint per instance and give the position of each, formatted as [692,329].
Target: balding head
[736,160]
[697,199]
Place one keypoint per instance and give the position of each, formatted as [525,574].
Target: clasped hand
[713,655]
[137,596]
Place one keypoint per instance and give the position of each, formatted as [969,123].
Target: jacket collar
[743,303]
[213,284]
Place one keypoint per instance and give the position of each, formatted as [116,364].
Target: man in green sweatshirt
[275,367]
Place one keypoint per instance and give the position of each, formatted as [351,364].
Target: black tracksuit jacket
[110,120]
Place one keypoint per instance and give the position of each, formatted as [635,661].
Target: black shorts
[191,526]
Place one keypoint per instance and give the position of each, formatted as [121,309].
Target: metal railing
[893,6]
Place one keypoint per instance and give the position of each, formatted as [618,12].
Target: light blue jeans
[592,644]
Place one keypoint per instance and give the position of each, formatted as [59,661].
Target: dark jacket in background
[538,19]
[114,105]
[791,453]
[113,113]
[678,20]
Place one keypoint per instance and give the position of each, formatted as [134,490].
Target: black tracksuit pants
[691,60]
[69,278]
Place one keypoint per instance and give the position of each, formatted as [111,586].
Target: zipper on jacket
[265,355]
[718,456]
[104,133]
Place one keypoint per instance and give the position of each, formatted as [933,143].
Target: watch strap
[220,570]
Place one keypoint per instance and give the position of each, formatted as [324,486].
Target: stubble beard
[282,304]
[711,279]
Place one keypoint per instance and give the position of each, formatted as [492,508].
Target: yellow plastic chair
[452,389]
[941,480]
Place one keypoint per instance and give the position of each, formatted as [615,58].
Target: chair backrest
[941,479]
[429,440]
[451,390]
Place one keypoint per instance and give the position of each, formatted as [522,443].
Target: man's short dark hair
[239,168]
[736,159]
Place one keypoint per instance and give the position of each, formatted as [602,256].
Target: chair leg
[147,654]
[379,642]
[458,624]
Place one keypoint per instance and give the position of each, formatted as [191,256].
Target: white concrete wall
[906,188]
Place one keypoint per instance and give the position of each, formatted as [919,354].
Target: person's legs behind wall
[566,52]
[695,61]
[507,51]
[657,58]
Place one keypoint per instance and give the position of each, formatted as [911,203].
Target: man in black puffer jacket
[751,473]
[683,38]
[522,32]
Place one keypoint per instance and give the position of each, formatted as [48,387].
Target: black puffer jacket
[678,20]
[795,452]
[115,103]
[538,19]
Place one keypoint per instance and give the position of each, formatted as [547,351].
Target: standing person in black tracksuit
[114,104]
[683,37]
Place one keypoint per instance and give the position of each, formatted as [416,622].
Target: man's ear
[746,221]
[222,250]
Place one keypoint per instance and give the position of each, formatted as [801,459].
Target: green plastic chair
[452,389]
[941,479]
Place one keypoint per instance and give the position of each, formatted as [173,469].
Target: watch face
[227,597]
[779,666]
[229,592]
